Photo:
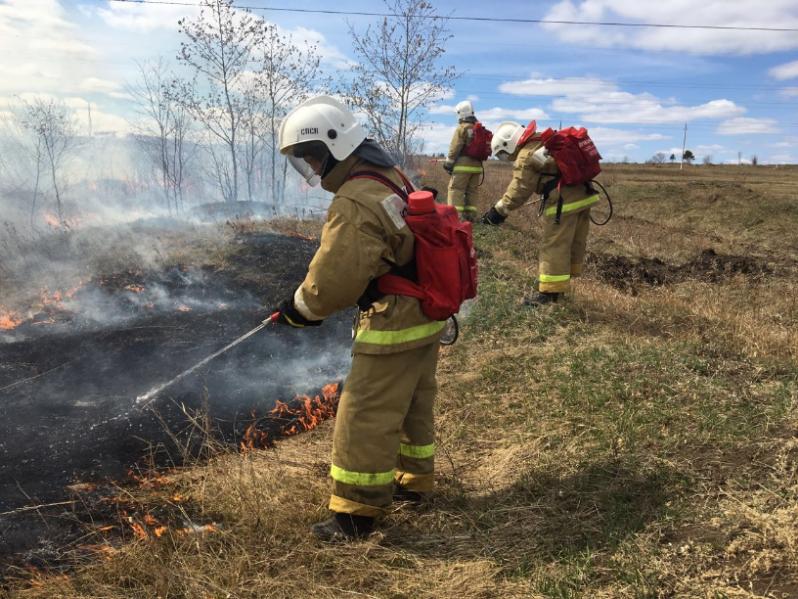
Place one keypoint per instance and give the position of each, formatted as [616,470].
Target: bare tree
[220,42]
[288,73]
[658,158]
[398,75]
[163,134]
[707,160]
[53,127]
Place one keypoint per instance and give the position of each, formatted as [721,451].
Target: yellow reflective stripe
[361,479]
[467,169]
[466,208]
[553,278]
[402,336]
[417,451]
[571,206]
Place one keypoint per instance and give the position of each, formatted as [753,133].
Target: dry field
[638,440]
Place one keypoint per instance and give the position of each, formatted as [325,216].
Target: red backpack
[479,146]
[575,154]
[445,260]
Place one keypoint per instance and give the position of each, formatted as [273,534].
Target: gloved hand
[492,217]
[290,315]
[448,166]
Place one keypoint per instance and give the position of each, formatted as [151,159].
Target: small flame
[302,414]
[9,319]
[183,308]
[135,288]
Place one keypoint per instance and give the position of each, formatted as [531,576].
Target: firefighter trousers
[462,193]
[562,251]
[384,430]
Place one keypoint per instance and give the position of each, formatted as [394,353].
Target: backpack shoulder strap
[379,177]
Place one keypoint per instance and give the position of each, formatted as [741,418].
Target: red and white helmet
[320,120]
[505,139]
[464,109]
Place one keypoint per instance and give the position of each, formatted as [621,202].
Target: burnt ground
[627,274]
[70,375]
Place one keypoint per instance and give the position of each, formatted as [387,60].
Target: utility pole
[88,104]
[739,158]
[684,145]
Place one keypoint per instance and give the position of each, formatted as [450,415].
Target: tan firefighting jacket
[364,236]
[529,179]
[463,164]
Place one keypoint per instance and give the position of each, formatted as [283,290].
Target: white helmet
[464,109]
[506,137]
[323,120]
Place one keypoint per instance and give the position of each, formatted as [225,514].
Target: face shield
[309,160]
[305,170]
[503,156]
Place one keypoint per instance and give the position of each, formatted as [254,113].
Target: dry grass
[619,445]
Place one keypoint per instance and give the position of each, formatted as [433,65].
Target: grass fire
[660,443]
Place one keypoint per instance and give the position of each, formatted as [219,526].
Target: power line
[478,19]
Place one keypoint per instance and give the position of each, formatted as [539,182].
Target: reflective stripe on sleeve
[553,278]
[361,479]
[401,336]
[571,206]
[417,451]
[466,208]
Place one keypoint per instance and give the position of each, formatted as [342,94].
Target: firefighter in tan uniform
[562,250]
[383,445]
[465,171]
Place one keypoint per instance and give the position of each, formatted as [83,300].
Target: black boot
[342,528]
[403,494]
[492,217]
[540,298]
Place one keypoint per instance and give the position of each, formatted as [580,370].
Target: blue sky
[634,88]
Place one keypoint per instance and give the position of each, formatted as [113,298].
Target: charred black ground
[69,378]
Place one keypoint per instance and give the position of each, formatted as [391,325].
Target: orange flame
[183,308]
[9,319]
[135,288]
[302,414]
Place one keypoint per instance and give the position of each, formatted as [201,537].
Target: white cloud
[746,125]
[143,18]
[740,13]
[496,113]
[567,86]
[103,86]
[790,92]
[785,71]
[607,136]
[600,101]
[436,137]
[40,49]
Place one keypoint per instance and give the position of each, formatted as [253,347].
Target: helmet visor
[304,170]
[503,155]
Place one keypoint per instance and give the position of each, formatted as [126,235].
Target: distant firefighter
[559,167]
[469,147]
[384,443]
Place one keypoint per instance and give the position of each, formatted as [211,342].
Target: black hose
[449,340]
[609,203]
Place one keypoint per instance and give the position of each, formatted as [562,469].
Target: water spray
[144,400]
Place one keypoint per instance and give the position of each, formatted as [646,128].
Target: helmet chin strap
[328,165]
